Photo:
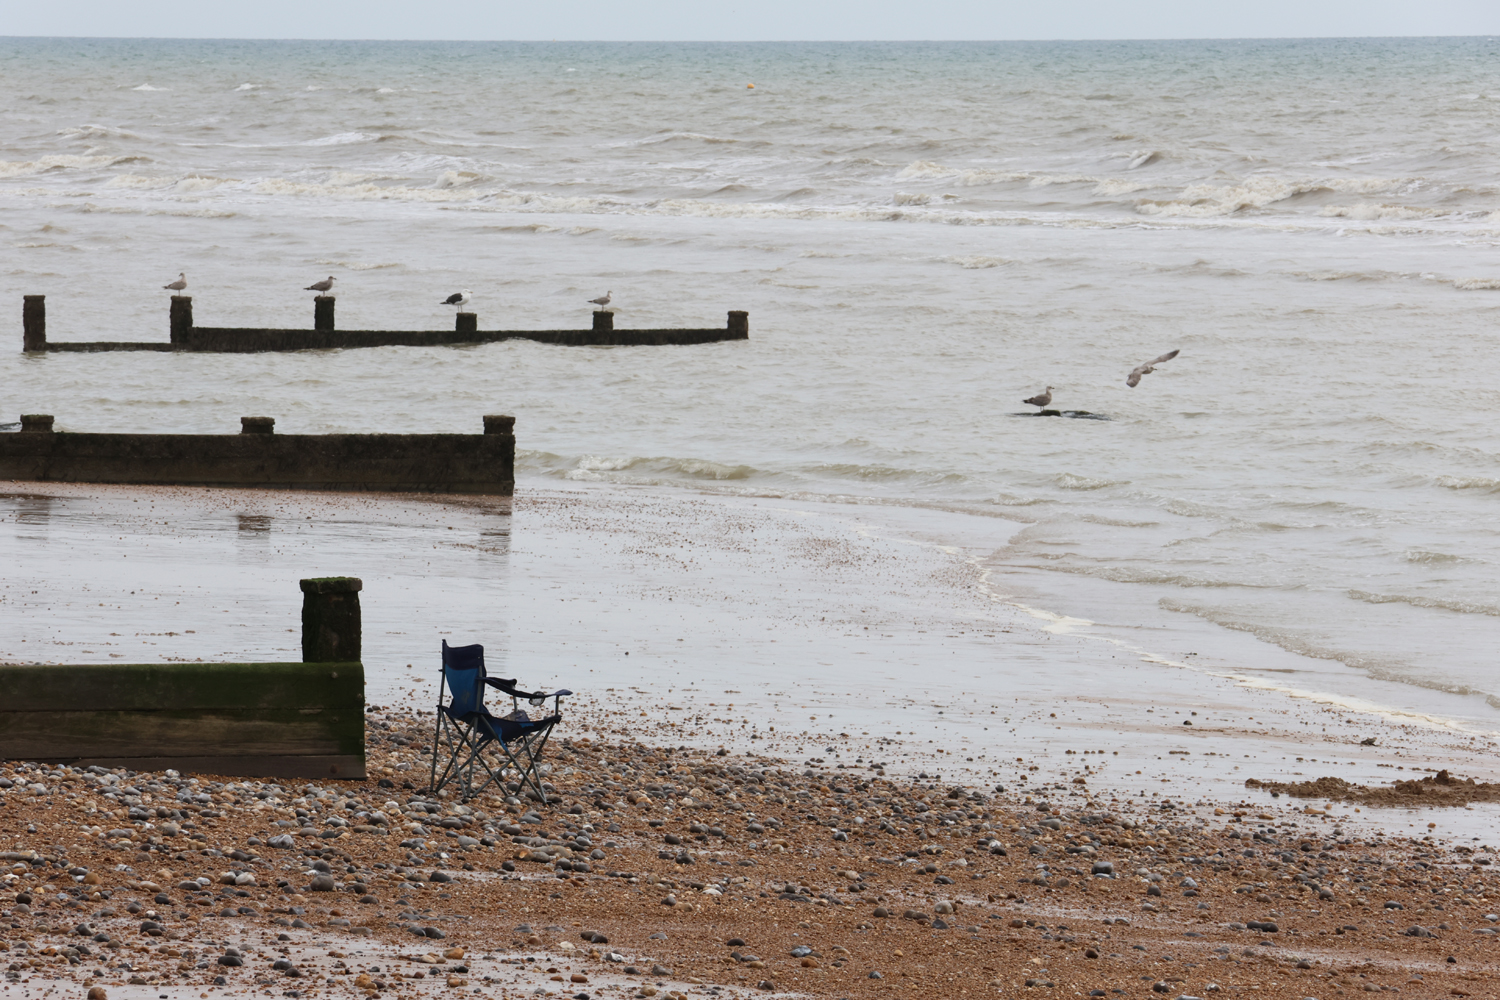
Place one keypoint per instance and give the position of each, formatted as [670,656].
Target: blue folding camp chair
[473,743]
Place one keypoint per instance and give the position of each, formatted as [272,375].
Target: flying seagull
[1146,369]
[320,286]
[179,284]
[602,300]
[1043,400]
[459,299]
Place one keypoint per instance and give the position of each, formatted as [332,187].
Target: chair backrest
[463,673]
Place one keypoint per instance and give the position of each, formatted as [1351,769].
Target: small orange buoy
[749,86]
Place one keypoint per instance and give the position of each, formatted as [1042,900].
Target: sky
[743,20]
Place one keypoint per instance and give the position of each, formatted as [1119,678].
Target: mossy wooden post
[739,324]
[37,423]
[323,312]
[181,318]
[604,322]
[330,619]
[466,323]
[33,322]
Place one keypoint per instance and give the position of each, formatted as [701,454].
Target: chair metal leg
[437,730]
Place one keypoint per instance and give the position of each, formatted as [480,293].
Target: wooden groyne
[325,335]
[259,457]
[284,720]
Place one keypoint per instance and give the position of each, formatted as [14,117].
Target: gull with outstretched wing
[1134,379]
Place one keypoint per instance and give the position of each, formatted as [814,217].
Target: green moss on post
[330,619]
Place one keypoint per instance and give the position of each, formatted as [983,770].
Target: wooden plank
[170,686]
[344,767]
[181,733]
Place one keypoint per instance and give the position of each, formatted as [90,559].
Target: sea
[923,235]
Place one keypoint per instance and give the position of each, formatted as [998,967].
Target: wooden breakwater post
[283,720]
[181,318]
[258,457]
[330,619]
[33,323]
[186,336]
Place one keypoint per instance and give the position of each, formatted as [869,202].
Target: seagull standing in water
[1134,379]
[1043,400]
[179,284]
[459,299]
[320,286]
[602,300]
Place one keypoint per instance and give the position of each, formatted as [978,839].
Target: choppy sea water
[923,235]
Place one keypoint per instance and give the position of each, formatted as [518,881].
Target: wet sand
[798,628]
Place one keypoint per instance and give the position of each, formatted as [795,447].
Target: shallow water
[923,235]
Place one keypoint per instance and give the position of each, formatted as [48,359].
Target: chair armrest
[509,687]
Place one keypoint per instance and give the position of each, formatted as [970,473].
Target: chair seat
[506,730]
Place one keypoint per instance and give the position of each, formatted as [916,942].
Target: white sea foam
[342,139]
[979,261]
[47,164]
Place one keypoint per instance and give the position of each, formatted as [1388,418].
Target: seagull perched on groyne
[459,299]
[179,284]
[320,286]
[1042,400]
[602,300]
[1134,379]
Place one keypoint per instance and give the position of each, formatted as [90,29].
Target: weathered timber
[34,322]
[180,318]
[331,626]
[258,457]
[228,340]
[261,719]
[185,336]
[323,312]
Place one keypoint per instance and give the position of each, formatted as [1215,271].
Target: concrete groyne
[259,457]
[324,335]
[285,720]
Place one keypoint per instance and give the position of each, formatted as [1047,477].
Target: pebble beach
[655,870]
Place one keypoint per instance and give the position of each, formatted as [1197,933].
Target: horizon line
[744,41]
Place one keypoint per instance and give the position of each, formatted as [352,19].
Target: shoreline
[741,622]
